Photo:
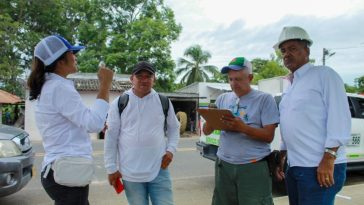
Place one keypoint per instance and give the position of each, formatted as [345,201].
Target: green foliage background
[118,32]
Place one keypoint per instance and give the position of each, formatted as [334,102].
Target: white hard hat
[292,33]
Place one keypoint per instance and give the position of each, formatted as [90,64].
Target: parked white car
[207,145]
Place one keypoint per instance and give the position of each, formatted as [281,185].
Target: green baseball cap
[238,63]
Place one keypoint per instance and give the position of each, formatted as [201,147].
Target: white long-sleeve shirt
[135,142]
[64,121]
[314,114]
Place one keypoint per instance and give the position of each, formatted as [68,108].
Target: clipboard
[213,117]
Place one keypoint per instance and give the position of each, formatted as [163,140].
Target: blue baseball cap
[52,47]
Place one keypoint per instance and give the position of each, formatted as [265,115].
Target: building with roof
[7,98]
[207,91]
[87,85]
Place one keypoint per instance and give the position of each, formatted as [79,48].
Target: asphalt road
[192,177]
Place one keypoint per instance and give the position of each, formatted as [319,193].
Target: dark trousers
[63,195]
[242,184]
[304,189]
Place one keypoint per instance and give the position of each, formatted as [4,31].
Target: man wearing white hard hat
[314,122]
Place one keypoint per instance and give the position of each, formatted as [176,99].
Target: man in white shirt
[315,124]
[136,149]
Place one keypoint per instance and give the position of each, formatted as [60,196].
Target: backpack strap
[165,106]
[124,99]
[123,102]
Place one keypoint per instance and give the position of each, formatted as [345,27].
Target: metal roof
[220,86]
[93,85]
[182,95]
[90,82]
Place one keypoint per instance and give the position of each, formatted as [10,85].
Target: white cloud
[262,12]
[232,28]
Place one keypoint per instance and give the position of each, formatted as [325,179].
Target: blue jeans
[158,190]
[304,189]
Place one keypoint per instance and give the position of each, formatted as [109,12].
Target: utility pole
[326,52]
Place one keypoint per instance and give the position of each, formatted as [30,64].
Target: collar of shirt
[301,71]
[152,92]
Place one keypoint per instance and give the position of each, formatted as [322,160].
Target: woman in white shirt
[62,119]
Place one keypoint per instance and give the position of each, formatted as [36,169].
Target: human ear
[251,76]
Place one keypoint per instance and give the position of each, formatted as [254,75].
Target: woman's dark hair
[37,76]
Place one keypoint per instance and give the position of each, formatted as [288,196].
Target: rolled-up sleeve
[111,138]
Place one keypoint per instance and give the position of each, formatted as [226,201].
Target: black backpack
[124,99]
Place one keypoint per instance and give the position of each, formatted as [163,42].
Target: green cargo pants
[243,184]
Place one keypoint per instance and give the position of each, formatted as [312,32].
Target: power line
[327,52]
[344,48]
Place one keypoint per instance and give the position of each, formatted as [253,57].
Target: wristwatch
[330,151]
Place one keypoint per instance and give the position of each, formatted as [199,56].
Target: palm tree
[195,70]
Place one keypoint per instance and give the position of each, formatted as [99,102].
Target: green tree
[9,66]
[194,69]
[360,84]
[117,32]
[219,78]
[350,89]
[133,31]
[23,24]
[267,69]
[258,65]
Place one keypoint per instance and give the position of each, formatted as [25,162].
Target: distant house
[87,85]
[7,98]
[208,91]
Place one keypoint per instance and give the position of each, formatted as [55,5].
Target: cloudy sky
[230,28]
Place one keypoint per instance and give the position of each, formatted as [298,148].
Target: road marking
[337,195]
[99,152]
[99,182]
[39,154]
[193,177]
[186,149]
[344,197]
[280,198]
